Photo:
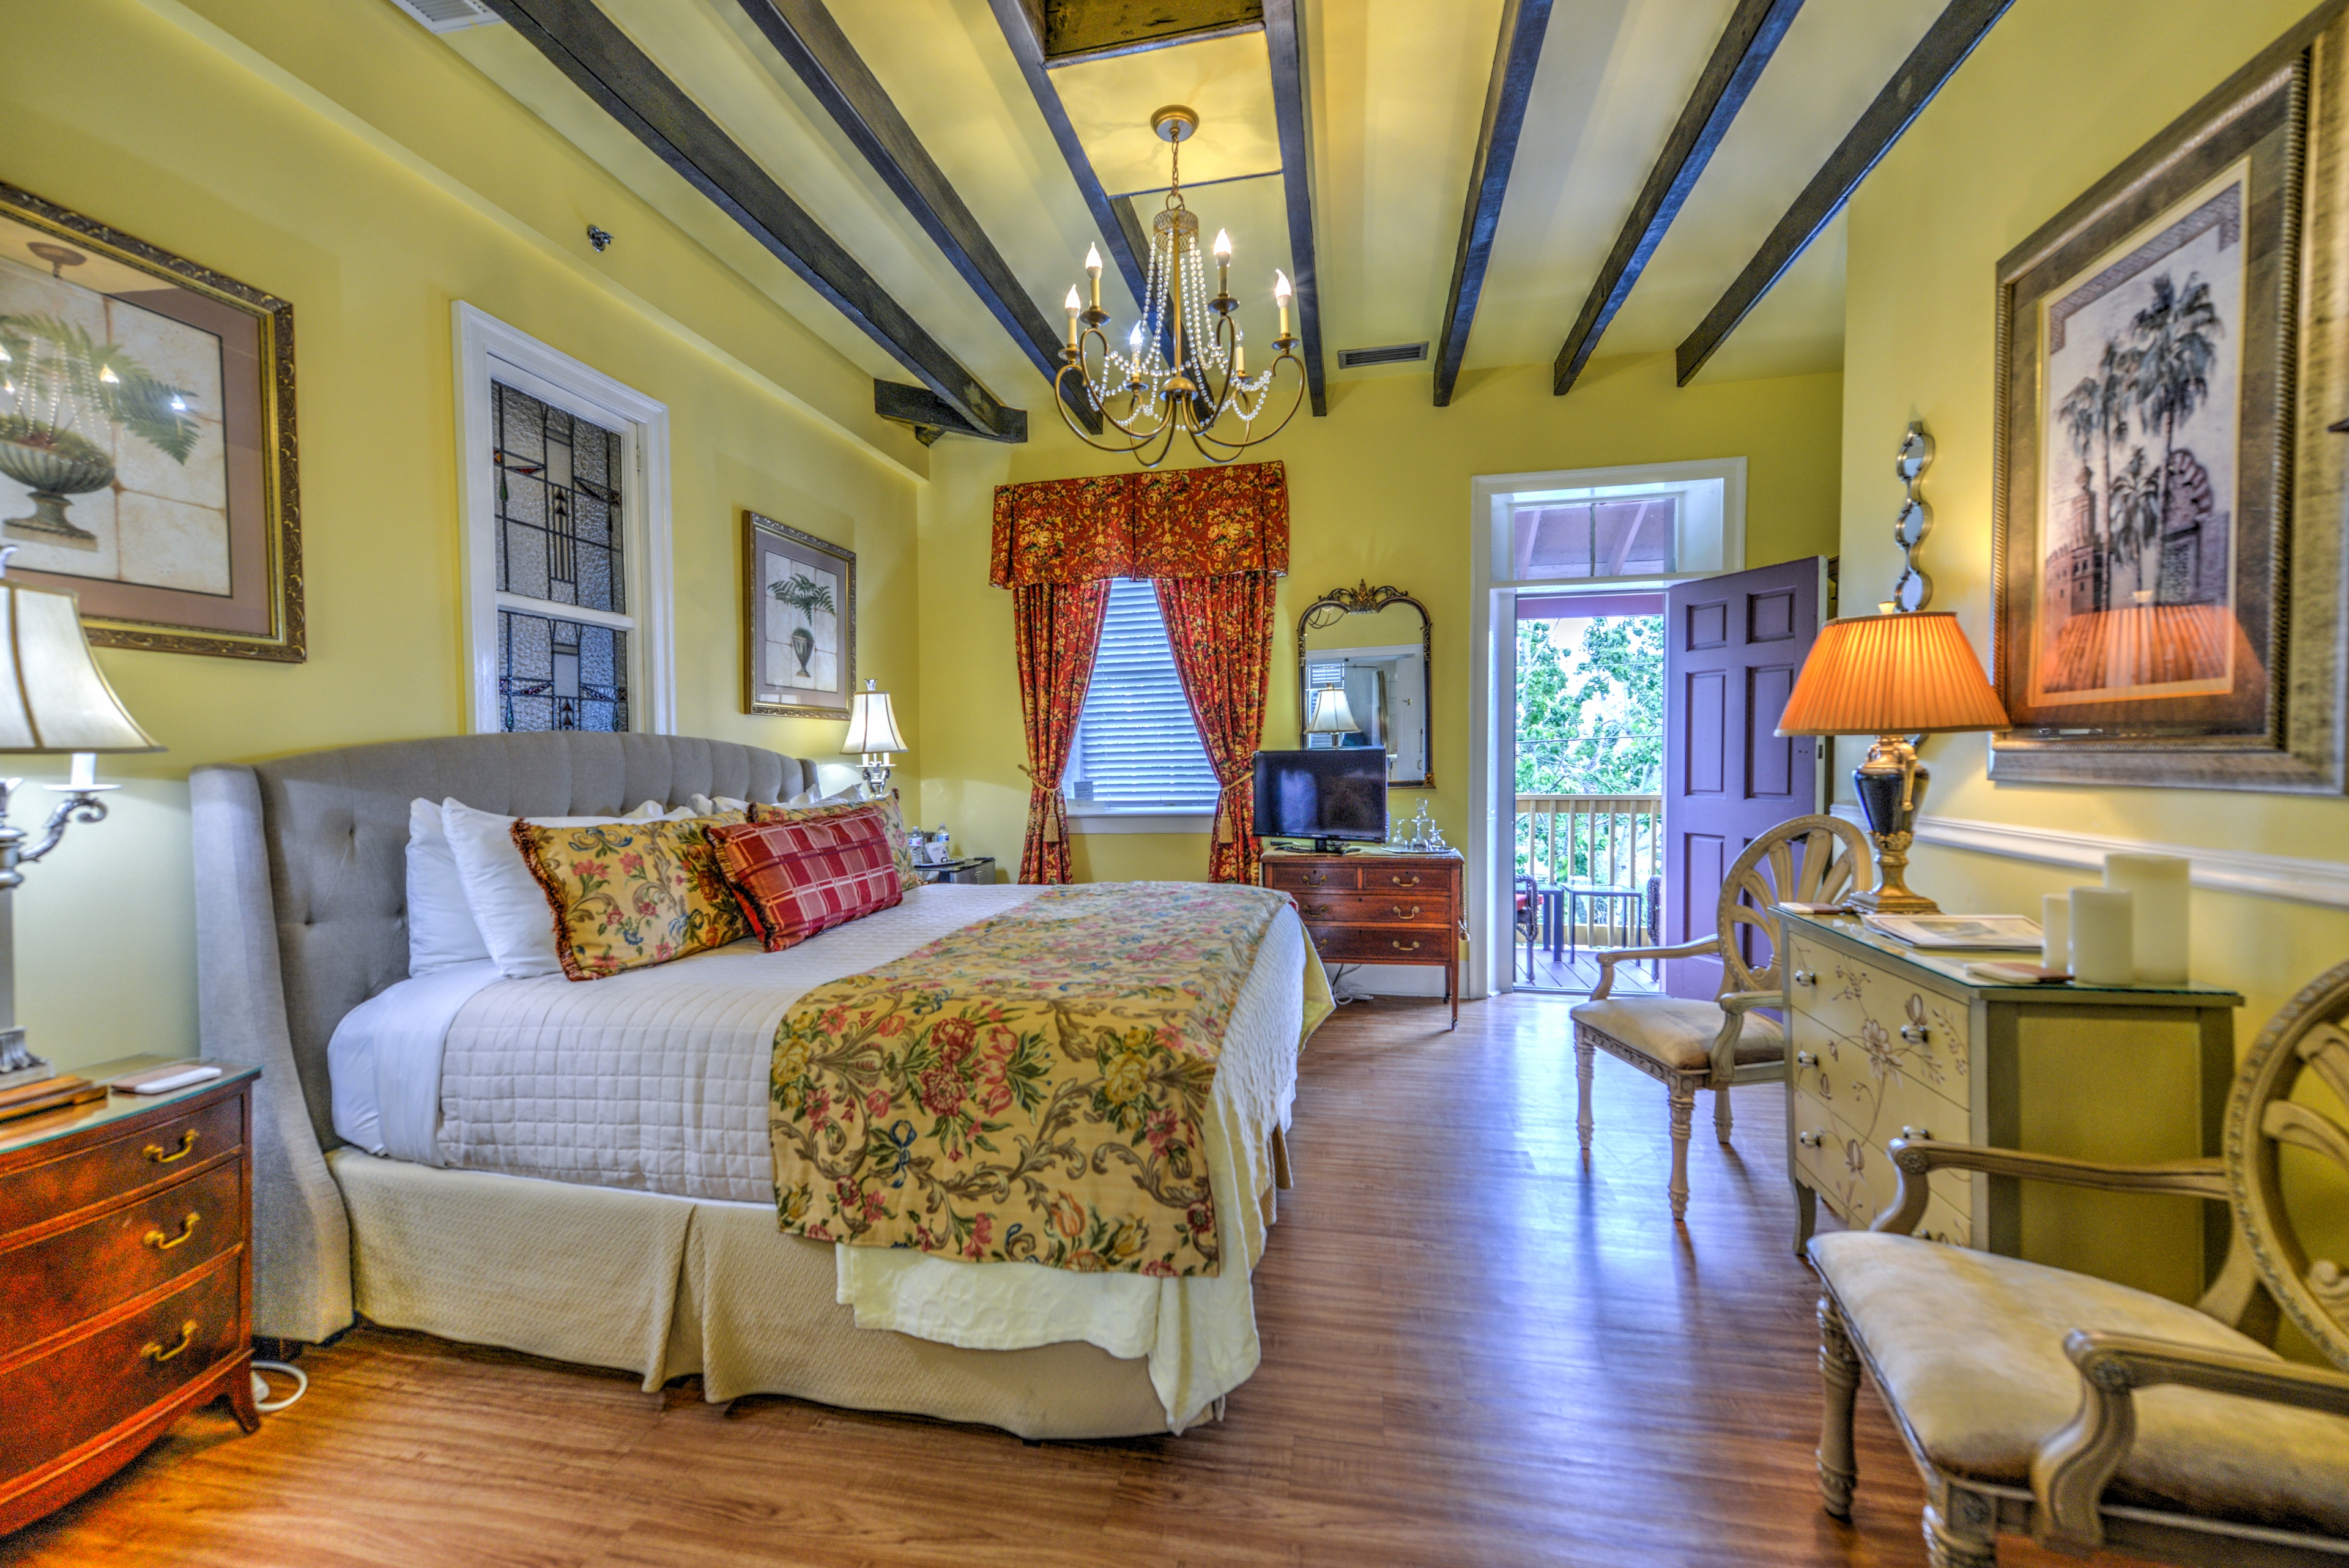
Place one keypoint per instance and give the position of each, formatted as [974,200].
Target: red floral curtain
[1057,626]
[1216,541]
[1221,631]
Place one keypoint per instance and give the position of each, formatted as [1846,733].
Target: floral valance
[1191,522]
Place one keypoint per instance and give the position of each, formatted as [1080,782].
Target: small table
[978,868]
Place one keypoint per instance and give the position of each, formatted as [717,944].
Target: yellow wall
[397,181]
[1378,490]
[2020,132]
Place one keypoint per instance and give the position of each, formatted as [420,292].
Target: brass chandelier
[1181,373]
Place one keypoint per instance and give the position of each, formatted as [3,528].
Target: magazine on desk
[1959,934]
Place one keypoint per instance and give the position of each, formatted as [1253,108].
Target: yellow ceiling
[1396,90]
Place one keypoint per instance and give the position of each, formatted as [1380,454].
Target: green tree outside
[1590,712]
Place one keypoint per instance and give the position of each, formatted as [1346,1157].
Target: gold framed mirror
[1362,660]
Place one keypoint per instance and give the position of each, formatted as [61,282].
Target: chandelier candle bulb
[2055,926]
[1072,307]
[1092,269]
[1280,297]
[2104,948]
[2159,883]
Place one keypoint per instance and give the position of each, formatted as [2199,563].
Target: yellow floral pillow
[891,817]
[625,894]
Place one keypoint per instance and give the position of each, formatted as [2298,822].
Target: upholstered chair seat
[1969,1348]
[1678,1034]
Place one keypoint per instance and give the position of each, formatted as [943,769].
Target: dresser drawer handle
[1806,977]
[1397,880]
[1808,1139]
[1806,1058]
[187,1146]
[1402,948]
[1401,913]
[1315,878]
[1914,1033]
[1926,1133]
[158,1355]
[163,1243]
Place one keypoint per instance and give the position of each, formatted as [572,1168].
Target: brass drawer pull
[1913,1033]
[1806,977]
[158,1355]
[1397,880]
[1400,948]
[1808,1139]
[1315,878]
[163,1243]
[1806,1058]
[1926,1133]
[187,1146]
[1401,913]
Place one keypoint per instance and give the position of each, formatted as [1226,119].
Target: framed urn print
[798,628]
[2169,354]
[147,453]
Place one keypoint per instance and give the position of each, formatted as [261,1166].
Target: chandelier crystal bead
[1185,369]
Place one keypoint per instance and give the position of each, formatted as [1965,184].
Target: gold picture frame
[148,462]
[799,622]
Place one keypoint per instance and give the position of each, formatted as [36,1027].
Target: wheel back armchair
[2088,1414]
[1691,1045]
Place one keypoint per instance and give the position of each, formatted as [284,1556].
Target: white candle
[2055,923]
[1072,308]
[1092,270]
[85,770]
[2162,916]
[2102,947]
[1280,297]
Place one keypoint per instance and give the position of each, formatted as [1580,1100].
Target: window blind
[1137,747]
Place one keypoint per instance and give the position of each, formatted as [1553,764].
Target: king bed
[582,1170]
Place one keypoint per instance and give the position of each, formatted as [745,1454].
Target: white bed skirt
[632,1281]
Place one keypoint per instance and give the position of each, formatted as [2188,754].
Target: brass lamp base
[1890,784]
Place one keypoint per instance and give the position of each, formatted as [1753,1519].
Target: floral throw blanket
[1030,1088]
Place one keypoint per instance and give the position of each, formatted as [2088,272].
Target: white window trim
[1091,816]
[548,373]
[1496,497]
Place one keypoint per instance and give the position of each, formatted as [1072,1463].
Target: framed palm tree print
[2169,354]
[799,622]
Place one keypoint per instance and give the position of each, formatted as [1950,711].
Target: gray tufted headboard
[301,894]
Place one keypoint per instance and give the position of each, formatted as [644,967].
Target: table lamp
[1892,676]
[873,736]
[1331,715]
[54,701]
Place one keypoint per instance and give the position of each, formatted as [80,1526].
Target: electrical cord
[261,1399]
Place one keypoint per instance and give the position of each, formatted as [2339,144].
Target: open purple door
[1732,646]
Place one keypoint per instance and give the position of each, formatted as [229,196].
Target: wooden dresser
[1379,906]
[1887,1042]
[126,1280]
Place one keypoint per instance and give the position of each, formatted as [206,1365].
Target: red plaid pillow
[796,878]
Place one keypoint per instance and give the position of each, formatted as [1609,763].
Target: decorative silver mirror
[1362,659]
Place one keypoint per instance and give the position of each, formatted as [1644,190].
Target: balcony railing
[1615,840]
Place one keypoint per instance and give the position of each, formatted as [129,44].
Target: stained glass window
[559,546]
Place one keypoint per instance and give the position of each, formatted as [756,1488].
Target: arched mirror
[1362,662]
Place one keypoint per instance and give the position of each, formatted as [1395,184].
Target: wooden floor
[1573,974]
[1476,1351]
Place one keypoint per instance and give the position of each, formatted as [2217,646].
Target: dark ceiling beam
[1284,41]
[1936,57]
[1754,32]
[931,416]
[581,43]
[1514,58]
[804,34]
[1124,249]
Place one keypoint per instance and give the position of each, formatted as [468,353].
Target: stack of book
[48,1094]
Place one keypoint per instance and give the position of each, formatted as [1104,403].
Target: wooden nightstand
[126,1278]
[1379,906]
[978,868]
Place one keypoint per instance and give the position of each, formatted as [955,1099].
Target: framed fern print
[146,452]
[799,622]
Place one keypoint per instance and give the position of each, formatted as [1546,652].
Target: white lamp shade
[53,696]
[872,724]
[1331,715]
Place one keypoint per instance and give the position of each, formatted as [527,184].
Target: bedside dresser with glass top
[1884,1041]
[126,1278]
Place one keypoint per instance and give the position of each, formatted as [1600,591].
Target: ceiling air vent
[448,15]
[1392,353]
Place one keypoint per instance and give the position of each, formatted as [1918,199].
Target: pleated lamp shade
[1892,675]
[53,696]
[1332,714]
[872,724]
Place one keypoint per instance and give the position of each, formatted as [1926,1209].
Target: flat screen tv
[1329,796]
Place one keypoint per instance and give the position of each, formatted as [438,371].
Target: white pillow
[516,923]
[441,928]
[705,806]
